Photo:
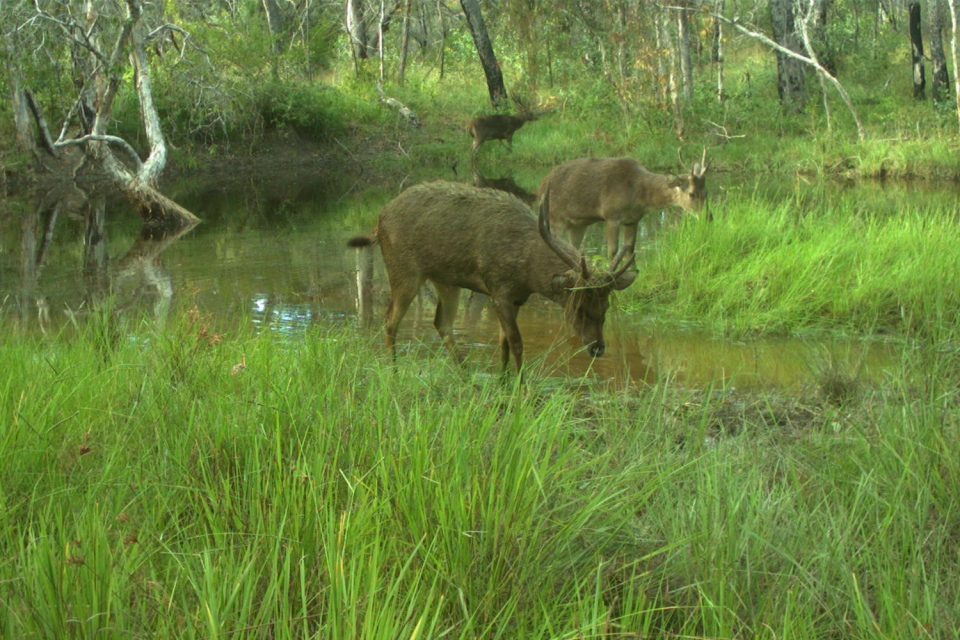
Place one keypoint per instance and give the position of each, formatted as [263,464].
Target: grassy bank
[765,266]
[151,486]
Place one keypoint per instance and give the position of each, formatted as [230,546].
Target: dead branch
[393,103]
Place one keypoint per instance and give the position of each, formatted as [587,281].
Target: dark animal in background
[617,192]
[498,127]
[461,237]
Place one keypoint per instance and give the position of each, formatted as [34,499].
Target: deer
[460,237]
[618,192]
[498,127]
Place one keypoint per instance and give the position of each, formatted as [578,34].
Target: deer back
[464,236]
[621,190]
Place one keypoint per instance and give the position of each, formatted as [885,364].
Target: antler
[682,163]
[701,168]
[543,215]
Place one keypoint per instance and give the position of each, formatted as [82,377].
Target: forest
[732,416]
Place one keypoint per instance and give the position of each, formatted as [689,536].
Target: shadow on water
[273,254]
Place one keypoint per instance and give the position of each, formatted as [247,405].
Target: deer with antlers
[461,237]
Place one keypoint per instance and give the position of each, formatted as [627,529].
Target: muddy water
[272,255]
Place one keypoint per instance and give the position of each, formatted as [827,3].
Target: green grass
[153,488]
[789,265]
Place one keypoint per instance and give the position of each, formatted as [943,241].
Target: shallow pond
[271,253]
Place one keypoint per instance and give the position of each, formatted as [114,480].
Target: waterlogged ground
[271,253]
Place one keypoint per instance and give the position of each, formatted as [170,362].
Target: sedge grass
[153,487]
[759,267]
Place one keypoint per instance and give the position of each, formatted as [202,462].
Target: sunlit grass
[762,267]
[180,483]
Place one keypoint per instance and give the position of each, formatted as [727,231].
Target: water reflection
[46,293]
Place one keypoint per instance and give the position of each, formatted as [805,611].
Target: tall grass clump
[782,268]
[186,483]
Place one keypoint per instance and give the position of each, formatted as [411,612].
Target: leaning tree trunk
[491,68]
[140,184]
[916,47]
[940,80]
[790,81]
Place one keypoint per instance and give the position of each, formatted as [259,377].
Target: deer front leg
[629,237]
[448,300]
[510,340]
[612,230]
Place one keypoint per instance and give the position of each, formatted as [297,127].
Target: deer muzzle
[596,349]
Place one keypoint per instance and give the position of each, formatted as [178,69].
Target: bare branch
[114,140]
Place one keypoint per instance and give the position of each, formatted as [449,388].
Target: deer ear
[674,181]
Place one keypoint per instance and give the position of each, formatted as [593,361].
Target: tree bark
[718,49]
[404,41]
[23,134]
[953,50]
[274,24]
[940,80]
[357,29]
[916,48]
[790,80]
[491,68]
[683,49]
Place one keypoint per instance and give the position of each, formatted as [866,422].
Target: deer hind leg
[510,340]
[402,293]
[448,301]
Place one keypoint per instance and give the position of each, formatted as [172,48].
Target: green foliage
[311,111]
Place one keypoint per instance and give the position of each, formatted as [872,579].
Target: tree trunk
[683,49]
[672,80]
[403,42]
[491,68]
[275,24]
[819,36]
[916,47]
[357,29]
[443,36]
[790,80]
[718,50]
[23,133]
[940,80]
[953,51]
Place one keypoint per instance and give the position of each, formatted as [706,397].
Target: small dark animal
[461,237]
[498,127]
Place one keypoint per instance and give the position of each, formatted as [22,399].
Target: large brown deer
[461,237]
[498,127]
[617,192]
